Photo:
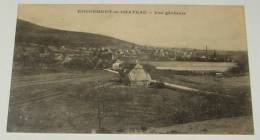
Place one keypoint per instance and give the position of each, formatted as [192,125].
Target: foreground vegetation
[95,102]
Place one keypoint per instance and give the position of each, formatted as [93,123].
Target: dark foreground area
[95,102]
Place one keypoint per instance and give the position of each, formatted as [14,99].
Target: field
[79,102]
[191,66]
[219,126]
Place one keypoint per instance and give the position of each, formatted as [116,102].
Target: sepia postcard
[130,69]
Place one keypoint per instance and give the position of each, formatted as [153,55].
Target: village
[36,56]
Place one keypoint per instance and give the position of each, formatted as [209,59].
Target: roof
[138,66]
[128,67]
[118,61]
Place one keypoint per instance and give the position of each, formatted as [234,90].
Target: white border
[7,33]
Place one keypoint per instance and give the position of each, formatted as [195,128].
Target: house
[134,75]
[67,59]
[58,56]
[116,65]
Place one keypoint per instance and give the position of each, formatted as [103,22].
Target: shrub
[241,65]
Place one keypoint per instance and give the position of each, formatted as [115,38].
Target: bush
[103,130]
[241,65]
[120,130]
[149,68]
[143,128]
[80,64]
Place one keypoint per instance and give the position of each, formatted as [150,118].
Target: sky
[218,27]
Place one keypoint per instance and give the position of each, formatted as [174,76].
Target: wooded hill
[29,32]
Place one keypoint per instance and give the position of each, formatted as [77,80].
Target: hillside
[29,32]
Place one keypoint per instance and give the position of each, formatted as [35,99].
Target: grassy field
[77,102]
[223,85]
[220,126]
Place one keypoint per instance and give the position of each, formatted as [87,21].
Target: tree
[241,64]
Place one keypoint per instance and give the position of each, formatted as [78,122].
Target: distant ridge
[29,32]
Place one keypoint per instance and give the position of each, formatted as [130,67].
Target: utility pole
[100,106]
[206,49]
